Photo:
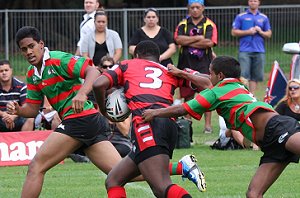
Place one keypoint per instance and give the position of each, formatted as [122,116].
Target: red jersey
[147,85]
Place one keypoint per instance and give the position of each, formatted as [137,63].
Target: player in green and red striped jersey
[59,76]
[278,136]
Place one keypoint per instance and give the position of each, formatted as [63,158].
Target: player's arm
[201,81]
[91,73]
[100,86]
[173,111]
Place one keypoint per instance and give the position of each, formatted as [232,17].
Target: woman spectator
[101,41]
[290,104]
[160,35]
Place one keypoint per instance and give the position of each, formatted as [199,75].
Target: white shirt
[86,26]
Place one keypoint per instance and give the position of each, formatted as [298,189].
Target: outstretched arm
[173,111]
[201,81]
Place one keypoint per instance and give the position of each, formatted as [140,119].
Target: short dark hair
[229,66]
[28,32]
[5,62]
[147,49]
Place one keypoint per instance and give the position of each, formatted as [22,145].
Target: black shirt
[283,109]
[100,51]
[163,39]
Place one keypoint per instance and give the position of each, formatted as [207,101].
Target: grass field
[228,173]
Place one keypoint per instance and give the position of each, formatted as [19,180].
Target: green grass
[227,174]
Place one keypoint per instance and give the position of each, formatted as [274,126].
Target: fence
[60,29]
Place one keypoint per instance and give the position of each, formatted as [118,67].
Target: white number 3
[156,73]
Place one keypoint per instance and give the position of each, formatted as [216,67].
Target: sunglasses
[295,87]
[107,66]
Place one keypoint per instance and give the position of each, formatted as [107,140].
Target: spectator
[154,32]
[252,27]
[277,135]
[12,89]
[290,104]
[87,24]
[101,41]
[147,84]
[196,35]
[105,64]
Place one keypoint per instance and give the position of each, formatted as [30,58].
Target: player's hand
[173,70]
[12,107]
[78,102]
[148,115]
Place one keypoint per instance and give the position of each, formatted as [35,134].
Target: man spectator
[252,27]
[87,24]
[12,89]
[196,35]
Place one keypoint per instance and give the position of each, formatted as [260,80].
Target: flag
[276,85]
[295,69]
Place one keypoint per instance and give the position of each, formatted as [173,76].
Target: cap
[196,1]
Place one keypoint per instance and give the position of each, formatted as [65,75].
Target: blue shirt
[246,20]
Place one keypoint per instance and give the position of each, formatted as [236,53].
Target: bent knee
[35,167]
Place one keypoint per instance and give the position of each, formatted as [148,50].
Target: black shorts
[154,138]
[278,130]
[88,129]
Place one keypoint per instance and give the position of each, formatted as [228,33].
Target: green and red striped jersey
[233,101]
[61,77]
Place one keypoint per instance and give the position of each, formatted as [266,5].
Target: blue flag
[276,85]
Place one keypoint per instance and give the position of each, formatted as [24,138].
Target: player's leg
[104,155]
[293,144]
[125,171]
[156,173]
[265,176]
[55,149]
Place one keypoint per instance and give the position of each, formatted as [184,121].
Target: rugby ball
[116,106]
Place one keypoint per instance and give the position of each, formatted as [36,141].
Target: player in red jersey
[147,84]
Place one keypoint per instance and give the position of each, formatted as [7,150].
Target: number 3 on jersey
[157,82]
